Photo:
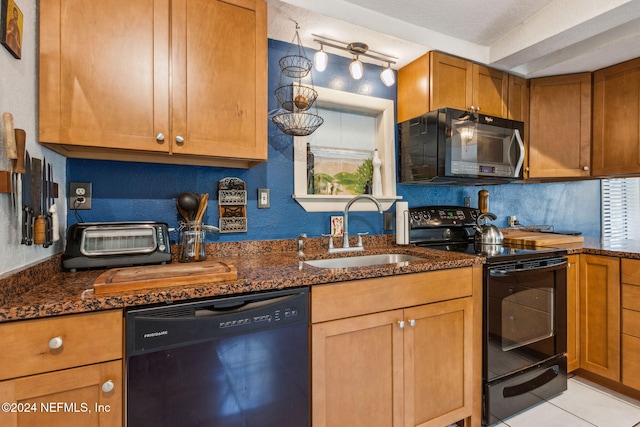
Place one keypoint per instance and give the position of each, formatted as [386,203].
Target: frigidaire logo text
[155,334]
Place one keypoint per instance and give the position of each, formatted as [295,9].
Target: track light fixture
[357,49]
[387,76]
[356,69]
[321,59]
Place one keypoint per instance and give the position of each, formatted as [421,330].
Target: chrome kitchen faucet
[345,246]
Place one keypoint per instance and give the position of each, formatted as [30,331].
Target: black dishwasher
[226,362]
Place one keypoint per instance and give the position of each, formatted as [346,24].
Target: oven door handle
[503,272]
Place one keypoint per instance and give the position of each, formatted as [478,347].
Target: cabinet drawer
[85,339]
[631,361]
[631,297]
[631,322]
[630,271]
[354,298]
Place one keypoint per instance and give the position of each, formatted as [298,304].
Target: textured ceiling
[532,38]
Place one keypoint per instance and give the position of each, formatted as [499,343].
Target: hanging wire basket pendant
[297,124]
[296,98]
[296,66]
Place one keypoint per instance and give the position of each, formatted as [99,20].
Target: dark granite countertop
[44,290]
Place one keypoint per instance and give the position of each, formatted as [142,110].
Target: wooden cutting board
[533,239]
[158,276]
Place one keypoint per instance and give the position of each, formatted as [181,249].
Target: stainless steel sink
[364,261]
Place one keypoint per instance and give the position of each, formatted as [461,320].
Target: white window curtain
[620,209]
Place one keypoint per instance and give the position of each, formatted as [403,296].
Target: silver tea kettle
[487,234]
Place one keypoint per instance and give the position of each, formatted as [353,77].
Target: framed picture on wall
[11,20]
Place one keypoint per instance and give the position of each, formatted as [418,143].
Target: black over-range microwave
[449,146]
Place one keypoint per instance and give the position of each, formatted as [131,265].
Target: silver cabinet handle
[401,324]
[179,139]
[108,386]
[160,137]
[55,343]
[412,322]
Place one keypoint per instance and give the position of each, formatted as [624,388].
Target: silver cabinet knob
[412,322]
[160,137]
[472,108]
[108,386]
[401,324]
[179,139]
[585,168]
[55,343]
[477,108]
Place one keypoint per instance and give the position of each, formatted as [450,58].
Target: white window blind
[620,209]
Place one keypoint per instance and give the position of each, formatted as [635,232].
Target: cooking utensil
[27,211]
[189,203]
[487,234]
[9,136]
[202,206]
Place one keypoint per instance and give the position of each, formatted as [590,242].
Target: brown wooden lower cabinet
[71,397]
[573,312]
[631,323]
[600,315]
[413,366]
[63,371]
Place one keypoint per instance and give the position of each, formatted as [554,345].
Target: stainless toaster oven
[116,244]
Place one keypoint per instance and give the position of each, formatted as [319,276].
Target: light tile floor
[584,404]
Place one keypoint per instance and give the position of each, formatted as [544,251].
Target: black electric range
[451,228]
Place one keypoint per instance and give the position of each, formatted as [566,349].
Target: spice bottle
[483,201]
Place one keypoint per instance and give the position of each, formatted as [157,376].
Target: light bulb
[387,76]
[320,60]
[356,69]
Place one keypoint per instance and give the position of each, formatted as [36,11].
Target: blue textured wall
[124,191]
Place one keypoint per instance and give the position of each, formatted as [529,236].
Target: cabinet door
[71,397]
[357,371]
[413,89]
[490,88]
[518,95]
[560,126]
[573,313]
[600,315]
[104,75]
[438,363]
[219,98]
[616,119]
[451,82]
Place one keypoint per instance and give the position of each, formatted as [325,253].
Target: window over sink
[355,125]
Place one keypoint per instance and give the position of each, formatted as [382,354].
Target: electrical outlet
[80,194]
[263,198]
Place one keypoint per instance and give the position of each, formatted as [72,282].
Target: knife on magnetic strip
[27,211]
[36,199]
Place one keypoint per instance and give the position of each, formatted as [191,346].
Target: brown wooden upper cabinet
[130,80]
[560,127]
[436,80]
[616,119]
[519,100]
